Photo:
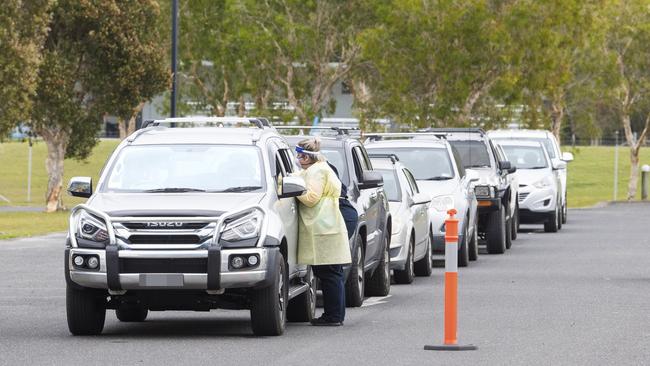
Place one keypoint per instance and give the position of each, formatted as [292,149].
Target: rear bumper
[108,275]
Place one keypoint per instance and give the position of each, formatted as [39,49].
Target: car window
[287,160]
[547,142]
[337,158]
[365,158]
[458,162]
[391,185]
[411,181]
[186,167]
[473,153]
[526,157]
[425,163]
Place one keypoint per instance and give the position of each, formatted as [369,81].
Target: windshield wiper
[439,178]
[174,190]
[537,167]
[241,189]
[477,166]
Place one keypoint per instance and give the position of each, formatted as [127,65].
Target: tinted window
[473,154]
[211,168]
[414,185]
[548,144]
[458,162]
[526,157]
[337,158]
[424,163]
[391,185]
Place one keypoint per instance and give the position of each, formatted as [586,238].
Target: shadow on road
[186,327]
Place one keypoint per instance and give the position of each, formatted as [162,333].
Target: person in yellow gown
[322,234]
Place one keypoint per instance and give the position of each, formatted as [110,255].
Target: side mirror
[420,198]
[371,180]
[292,187]
[559,164]
[80,187]
[507,166]
[567,156]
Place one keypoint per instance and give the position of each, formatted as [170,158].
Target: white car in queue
[539,184]
[438,171]
[410,245]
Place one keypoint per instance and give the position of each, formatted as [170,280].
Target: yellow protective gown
[322,235]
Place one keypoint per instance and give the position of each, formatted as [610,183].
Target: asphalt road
[578,297]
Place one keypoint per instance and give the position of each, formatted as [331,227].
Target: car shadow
[195,327]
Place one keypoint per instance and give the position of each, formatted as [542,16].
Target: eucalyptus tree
[23,26]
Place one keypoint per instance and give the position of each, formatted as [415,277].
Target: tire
[553,223]
[565,211]
[302,308]
[496,231]
[473,244]
[515,223]
[422,268]
[131,314]
[86,311]
[509,233]
[379,283]
[356,282]
[463,252]
[405,276]
[268,308]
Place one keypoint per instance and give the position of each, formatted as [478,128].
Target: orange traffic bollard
[451,289]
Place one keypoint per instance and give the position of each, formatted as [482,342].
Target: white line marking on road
[375,301]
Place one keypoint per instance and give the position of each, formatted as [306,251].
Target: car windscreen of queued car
[539,185]
[410,245]
[552,147]
[438,172]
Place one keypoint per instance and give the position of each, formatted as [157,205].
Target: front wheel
[553,223]
[86,311]
[496,231]
[303,307]
[379,283]
[406,275]
[269,304]
[473,244]
[422,268]
[355,285]
[515,223]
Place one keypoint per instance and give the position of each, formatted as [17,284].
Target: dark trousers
[331,281]
[350,216]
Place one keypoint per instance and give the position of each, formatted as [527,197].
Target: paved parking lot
[578,297]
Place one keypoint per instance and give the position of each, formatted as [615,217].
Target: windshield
[186,168]
[547,142]
[526,157]
[424,163]
[391,185]
[473,153]
[336,158]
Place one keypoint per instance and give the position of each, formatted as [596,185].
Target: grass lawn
[590,181]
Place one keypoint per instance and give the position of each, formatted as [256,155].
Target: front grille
[164,265]
[164,225]
[164,239]
[523,196]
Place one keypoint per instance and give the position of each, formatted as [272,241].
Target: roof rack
[393,158]
[207,121]
[380,136]
[454,130]
[339,130]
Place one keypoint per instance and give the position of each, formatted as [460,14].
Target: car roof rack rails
[381,136]
[339,130]
[393,158]
[207,122]
[454,130]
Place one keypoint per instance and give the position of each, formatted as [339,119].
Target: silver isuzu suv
[190,214]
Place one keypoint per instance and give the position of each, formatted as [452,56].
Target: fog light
[252,260]
[237,262]
[93,262]
[78,261]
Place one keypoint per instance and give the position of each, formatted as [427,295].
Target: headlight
[245,227]
[442,203]
[484,192]
[91,228]
[543,183]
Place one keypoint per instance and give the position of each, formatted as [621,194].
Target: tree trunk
[634,173]
[134,115]
[57,142]
[557,114]
[241,109]
[121,125]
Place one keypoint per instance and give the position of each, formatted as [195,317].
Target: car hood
[486,177]
[437,188]
[181,204]
[530,176]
